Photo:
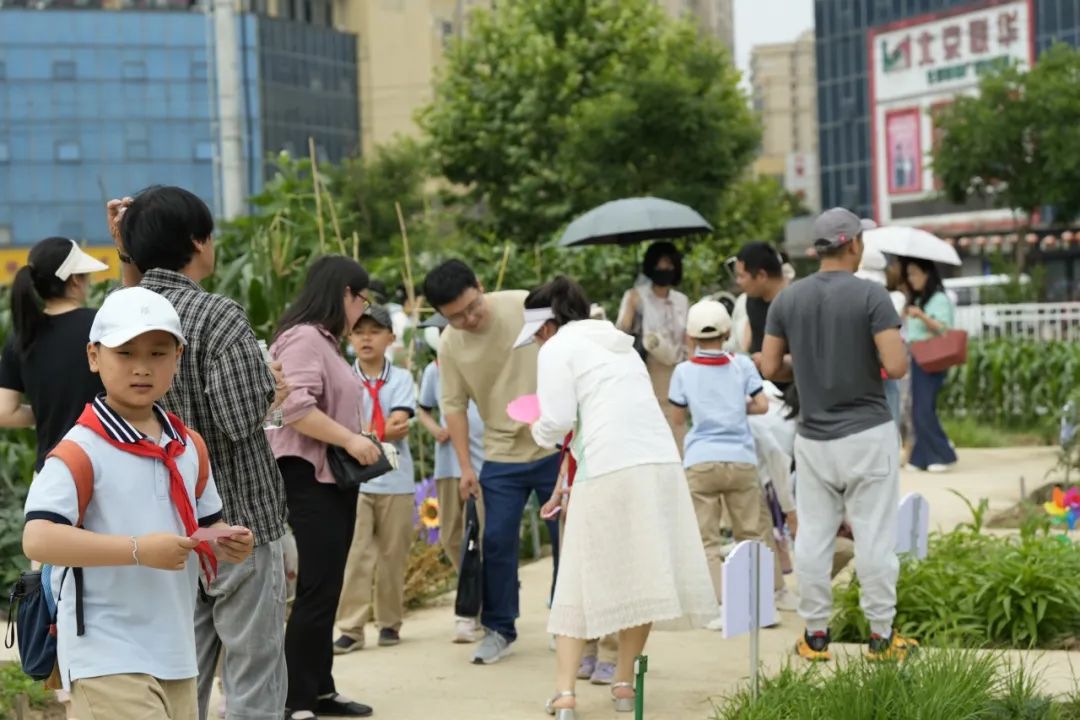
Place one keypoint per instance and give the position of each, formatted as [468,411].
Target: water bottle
[276,418]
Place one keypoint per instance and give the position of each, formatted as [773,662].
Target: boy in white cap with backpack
[718,390]
[128,494]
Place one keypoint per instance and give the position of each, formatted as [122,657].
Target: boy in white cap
[125,495]
[841,332]
[719,390]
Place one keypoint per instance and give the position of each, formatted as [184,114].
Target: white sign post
[748,598]
[913,526]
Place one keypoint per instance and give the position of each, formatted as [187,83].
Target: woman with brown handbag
[930,315]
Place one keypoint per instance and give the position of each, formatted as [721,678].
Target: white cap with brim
[131,312]
[79,263]
[534,320]
[708,319]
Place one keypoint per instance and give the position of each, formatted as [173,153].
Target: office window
[3,70]
[63,70]
[68,151]
[5,152]
[134,70]
[198,70]
[137,150]
[72,229]
[204,150]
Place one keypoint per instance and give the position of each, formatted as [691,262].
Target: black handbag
[348,473]
[470,589]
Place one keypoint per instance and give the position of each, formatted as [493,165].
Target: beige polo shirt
[484,367]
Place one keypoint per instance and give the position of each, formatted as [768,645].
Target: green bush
[14,683]
[981,591]
[936,685]
[1013,383]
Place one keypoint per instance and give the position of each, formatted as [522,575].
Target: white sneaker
[466,630]
[938,468]
[786,600]
[716,625]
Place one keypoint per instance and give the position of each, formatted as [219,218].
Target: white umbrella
[911,242]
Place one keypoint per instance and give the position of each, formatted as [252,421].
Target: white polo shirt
[137,619]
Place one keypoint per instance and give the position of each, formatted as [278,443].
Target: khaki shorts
[134,697]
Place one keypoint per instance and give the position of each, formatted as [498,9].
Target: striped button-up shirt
[223,390]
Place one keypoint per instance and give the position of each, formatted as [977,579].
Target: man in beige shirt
[477,362]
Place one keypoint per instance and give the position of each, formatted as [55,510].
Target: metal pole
[642,666]
[230,110]
[755,615]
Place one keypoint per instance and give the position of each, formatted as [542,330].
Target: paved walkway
[428,677]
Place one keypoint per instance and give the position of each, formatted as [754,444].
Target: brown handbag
[942,352]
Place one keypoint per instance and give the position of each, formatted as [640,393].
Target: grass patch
[939,685]
[970,433]
[13,683]
[975,590]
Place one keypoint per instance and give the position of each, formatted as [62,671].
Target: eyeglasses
[361,296]
[471,310]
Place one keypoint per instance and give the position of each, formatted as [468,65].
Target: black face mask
[663,278]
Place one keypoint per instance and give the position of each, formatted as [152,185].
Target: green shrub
[981,591]
[13,683]
[952,685]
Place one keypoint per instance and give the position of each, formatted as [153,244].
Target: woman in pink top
[323,409]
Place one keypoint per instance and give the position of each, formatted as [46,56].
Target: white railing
[1034,321]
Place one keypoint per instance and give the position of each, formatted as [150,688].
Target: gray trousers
[245,620]
[858,475]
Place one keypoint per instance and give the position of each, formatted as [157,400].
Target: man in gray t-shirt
[836,334]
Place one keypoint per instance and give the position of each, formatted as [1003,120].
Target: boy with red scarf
[128,651]
[718,390]
[379,553]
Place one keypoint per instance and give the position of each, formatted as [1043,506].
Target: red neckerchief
[723,359]
[177,489]
[571,467]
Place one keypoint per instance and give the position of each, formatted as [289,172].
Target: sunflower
[429,513]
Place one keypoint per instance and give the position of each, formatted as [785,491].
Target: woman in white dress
[631,556]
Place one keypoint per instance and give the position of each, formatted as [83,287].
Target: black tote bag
[470,591]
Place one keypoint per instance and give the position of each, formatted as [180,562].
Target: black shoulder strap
[80,628]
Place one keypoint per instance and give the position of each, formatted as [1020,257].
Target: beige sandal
[561,713]
[623,704]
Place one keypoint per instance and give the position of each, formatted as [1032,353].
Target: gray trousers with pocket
[859,476]
[245,620]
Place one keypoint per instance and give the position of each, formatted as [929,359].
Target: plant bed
[39,702]
[977,590]
[932,685]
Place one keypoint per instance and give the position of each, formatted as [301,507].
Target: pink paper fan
[525,409]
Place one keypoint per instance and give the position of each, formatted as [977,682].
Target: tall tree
[548,108]
[1016,142]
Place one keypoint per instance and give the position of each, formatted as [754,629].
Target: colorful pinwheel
[1064,508]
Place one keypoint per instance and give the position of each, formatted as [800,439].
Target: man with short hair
[759,272]
[477,362]
[224,390]
[841,331]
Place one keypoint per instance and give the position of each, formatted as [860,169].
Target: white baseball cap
[534,320]
[708,319]
[131,312]
[79,263]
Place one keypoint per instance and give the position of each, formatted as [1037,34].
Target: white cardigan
[590,370]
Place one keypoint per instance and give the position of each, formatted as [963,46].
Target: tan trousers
[134,697]
[378,558]
[660,374]
[734,485]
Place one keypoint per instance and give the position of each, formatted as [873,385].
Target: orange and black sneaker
[895,647]
[814,646]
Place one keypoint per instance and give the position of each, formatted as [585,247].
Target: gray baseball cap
[380,315]
[837,227]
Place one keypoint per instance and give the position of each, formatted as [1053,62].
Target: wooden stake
[502,267]
[356,246]
[318,195]
[408,255]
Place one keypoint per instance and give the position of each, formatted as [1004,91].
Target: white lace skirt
[631,555]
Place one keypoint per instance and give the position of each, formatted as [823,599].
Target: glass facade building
[842,76]
[97,104]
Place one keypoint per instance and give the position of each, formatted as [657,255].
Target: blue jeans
[506,488]
[892,397]
[931,444]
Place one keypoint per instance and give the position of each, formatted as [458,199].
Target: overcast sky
[759,22]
